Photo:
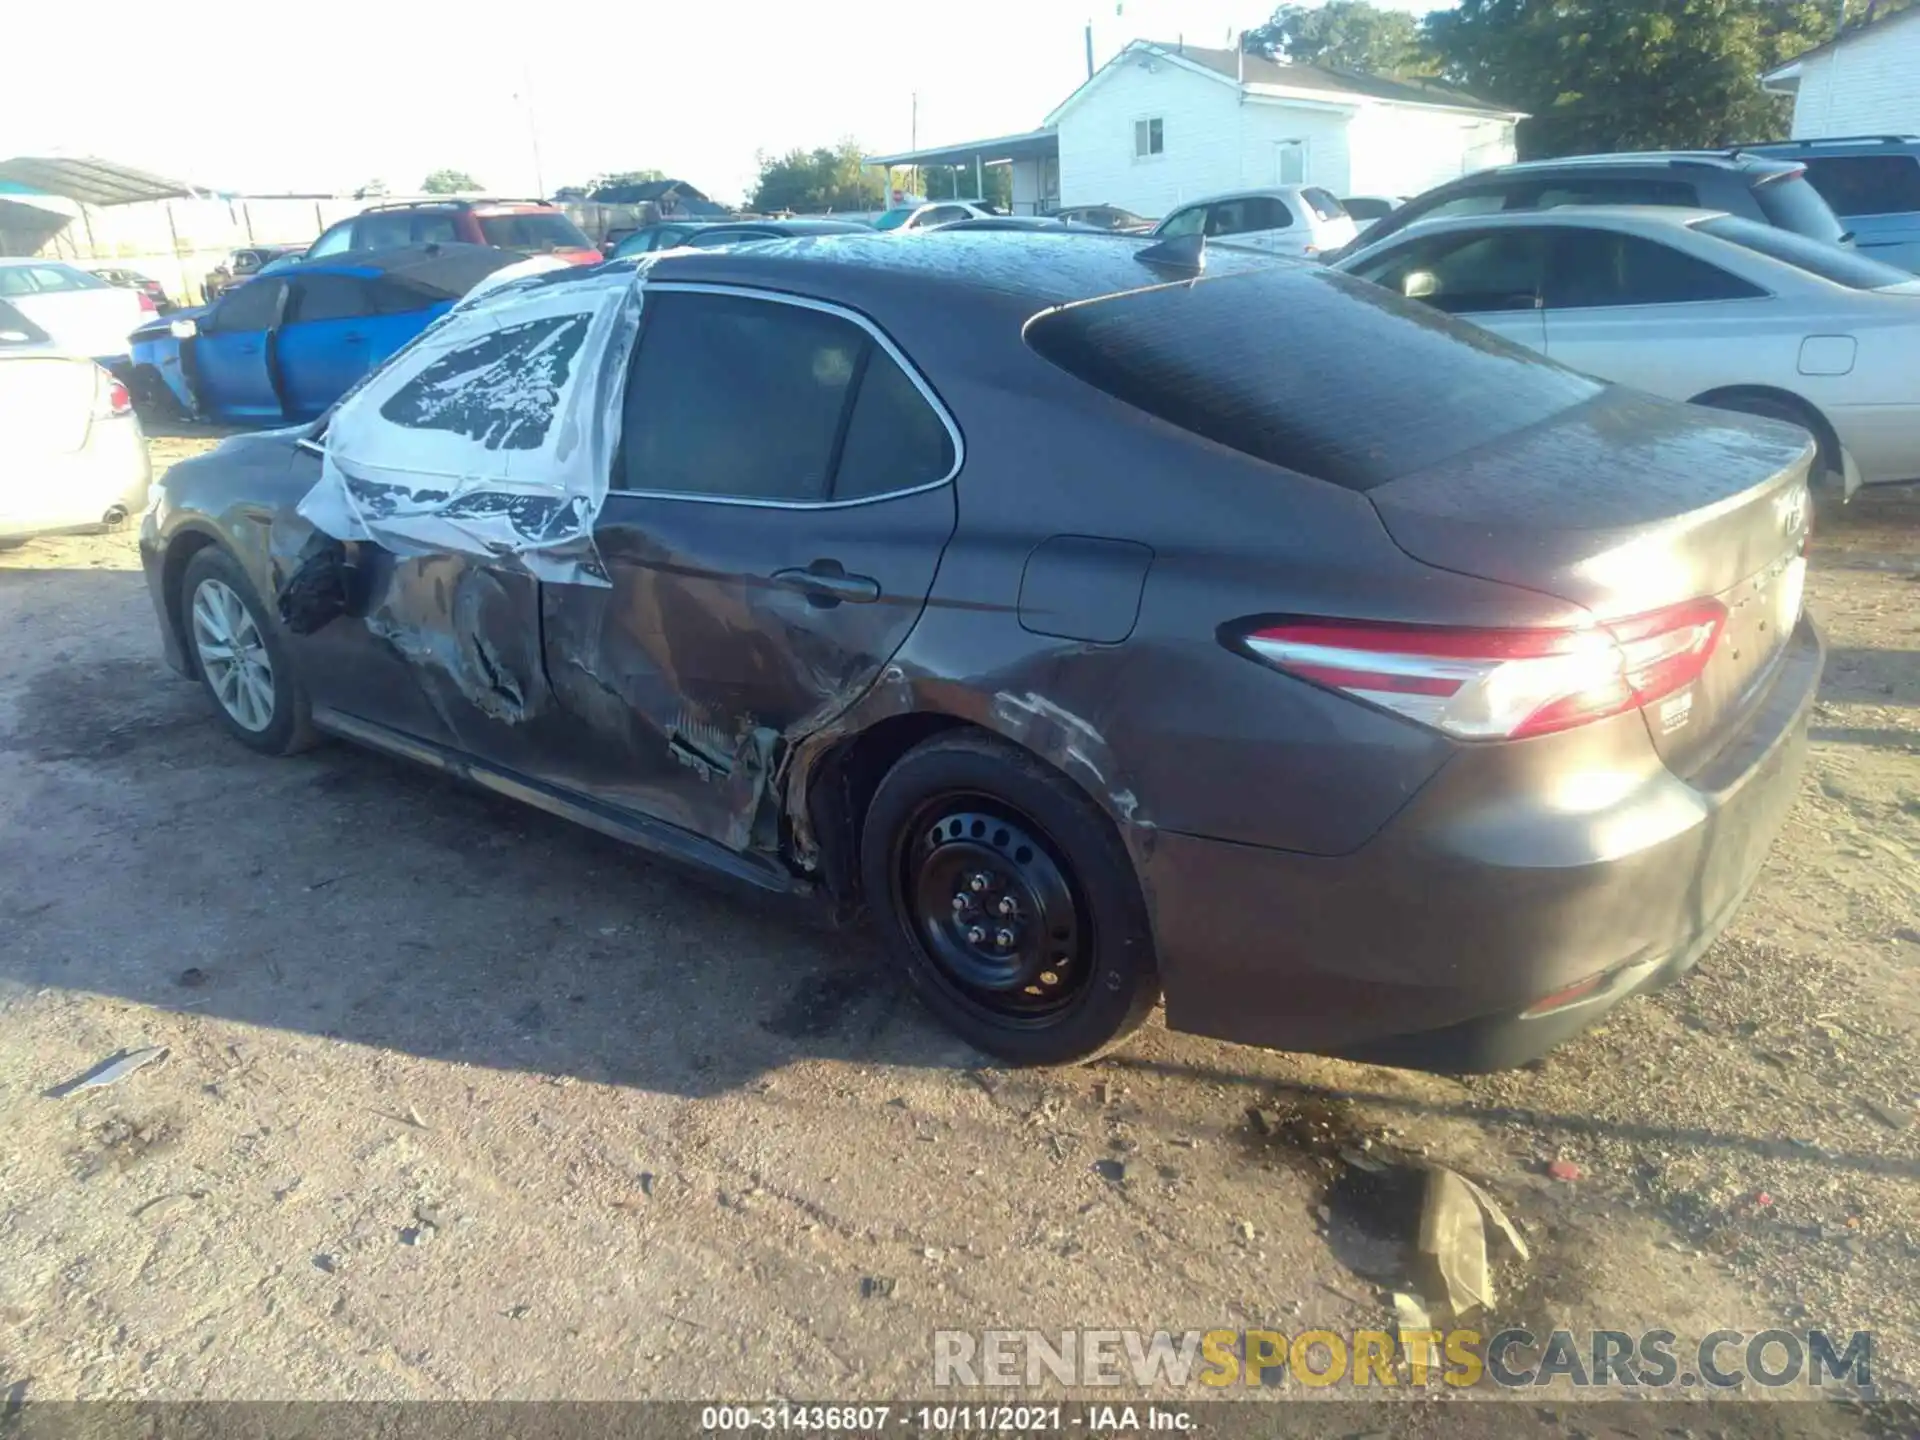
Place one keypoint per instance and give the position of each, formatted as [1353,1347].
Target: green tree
[812,181]
[1600,75]
[1342,34]
[448,182]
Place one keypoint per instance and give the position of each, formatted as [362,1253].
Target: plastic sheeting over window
[493,434]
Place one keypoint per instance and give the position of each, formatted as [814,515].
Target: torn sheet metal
[493,435]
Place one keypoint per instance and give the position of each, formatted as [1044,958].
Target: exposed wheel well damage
[842,786]
[1728,397]
[173,576]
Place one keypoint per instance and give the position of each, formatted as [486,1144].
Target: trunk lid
[48,403]
[1624,505]
[94,322]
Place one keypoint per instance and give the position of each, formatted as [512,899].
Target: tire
[1080,975]
[152,400]
[267,712]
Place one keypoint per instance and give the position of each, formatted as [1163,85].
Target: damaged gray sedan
[1109,620]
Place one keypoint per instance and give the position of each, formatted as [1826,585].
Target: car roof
[443,267]
[1732,161]
[1287,192]
[803,226]
[1035,269]
[1666,217]
[1834,145]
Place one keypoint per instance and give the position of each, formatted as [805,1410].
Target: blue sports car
[285,346]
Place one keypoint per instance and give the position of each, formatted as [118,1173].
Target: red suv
[527,226]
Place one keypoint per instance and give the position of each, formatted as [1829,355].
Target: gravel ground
[461,1102]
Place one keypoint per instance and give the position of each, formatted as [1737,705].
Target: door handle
[826,583]
[353,335]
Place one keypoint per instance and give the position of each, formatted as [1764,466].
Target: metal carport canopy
[1031,144]
[91,182]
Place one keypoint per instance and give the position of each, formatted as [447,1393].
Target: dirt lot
[461,1102]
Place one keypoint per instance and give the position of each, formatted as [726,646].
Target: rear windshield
[1309,369]
[535,230]
[1830,262]
[17,329]
[1867,184]
[1323,204]
[1792,204]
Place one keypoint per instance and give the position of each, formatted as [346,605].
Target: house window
[1148,138]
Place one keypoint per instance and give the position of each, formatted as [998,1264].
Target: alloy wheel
[233,655]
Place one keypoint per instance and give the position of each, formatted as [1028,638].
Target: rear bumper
[1426,947]
[1883,441]
[78,491]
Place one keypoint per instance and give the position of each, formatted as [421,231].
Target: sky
[304,98]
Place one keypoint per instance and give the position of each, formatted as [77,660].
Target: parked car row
[1693,305]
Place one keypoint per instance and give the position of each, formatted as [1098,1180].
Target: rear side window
[384,228]
[434,227]
[1597,268]
[327,297]
[1830,262]
[1254,212]
[391,299]
[537,230]
[895,440]
[337,239]
[1308,369]
[1183,222]
[1467,273]
[1323,205]
[254,306]
[752,399]
[1867,184]
[1792,204]
[14,324]
[51,279]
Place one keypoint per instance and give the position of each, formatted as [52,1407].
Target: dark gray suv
[1754,187]
[1873,184]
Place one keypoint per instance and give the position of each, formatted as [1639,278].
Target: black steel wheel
[1019,917]
[992,905]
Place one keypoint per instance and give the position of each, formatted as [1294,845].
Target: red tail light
[110,397]
[1501,684]
[146,302]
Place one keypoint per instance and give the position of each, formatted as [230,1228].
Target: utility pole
[913,143]
[1089,49]
[533,127]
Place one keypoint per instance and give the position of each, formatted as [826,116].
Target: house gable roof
[1866,29]
[1315,81]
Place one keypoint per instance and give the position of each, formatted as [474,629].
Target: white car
[1693,305]
[1286,220]
[71,453]
[83,313]
[930,216]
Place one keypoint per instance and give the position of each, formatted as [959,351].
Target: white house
[1866,82]
[1160,124]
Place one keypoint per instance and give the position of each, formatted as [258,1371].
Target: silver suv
[1873,184]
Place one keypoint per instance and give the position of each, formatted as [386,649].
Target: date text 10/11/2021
[874,1419]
